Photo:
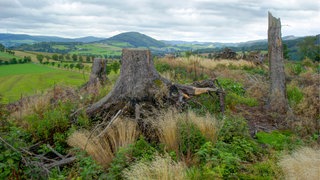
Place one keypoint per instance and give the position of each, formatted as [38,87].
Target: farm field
[97,49]
[5,56]
[27,79]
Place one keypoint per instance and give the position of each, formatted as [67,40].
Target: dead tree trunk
[140,82]
[98,71]
[278,98]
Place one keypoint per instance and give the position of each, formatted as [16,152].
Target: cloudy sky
[189,20]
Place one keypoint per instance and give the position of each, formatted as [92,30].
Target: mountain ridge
[9,40]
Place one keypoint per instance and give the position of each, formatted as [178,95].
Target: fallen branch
[63,161]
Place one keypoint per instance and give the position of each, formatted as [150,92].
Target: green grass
[97,49]
[28,79]
[60,47]
[6,56]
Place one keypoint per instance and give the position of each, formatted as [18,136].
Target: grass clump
[185,132]
[303,163]
[161,167]
[104,145]
[295,95]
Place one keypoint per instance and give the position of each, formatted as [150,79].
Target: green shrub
[161,67]
[233,99]
[4,113]
[204,103]
[246,148]
[86,167]
[231,86]
[262,170]
[10,159]
[180,73]
[43,126]
[191,138]
[295,95]
[233,127]
[115,66]
[254,70]
[217,162]
[296,69]
[141,150]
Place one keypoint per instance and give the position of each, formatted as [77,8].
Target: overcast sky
[189,20]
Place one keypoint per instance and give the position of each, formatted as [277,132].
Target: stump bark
[140,82]
[98,72]
[278,98]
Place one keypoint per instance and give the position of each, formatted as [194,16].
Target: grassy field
[21,54]
[6,56]
[28,79]
[97,49]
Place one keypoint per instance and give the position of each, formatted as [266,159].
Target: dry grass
[163,168]
[203,62]
[204,66]
[103,145]
[167,127]
[39,103]
[258,89]
[208,125]
[302,164]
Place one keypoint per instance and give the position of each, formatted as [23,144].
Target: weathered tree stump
[98,72]
[278,97]
[139,82]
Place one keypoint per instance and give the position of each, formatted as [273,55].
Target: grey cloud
[202,20]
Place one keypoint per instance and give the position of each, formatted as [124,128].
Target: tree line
[296,49]
[26,59]
[67,57]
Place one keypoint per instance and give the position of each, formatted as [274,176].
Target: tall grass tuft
[207,124]
[302,164]
[102,146]
[168,131]
[160,168]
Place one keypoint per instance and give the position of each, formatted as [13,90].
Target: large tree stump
[278,98]
[140,82]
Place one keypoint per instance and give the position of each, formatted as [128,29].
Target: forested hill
[96,46]
[134,39]
[10,40]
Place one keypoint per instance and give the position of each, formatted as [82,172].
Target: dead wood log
[278,97]
[140,82]
[60,162]
[98,75]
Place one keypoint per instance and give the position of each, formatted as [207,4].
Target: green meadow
[27,79]
[6,56]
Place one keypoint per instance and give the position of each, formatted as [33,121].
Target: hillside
[134,39]
[49,135]
[10,40]
[111,47]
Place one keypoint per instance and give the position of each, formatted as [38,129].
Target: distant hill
[10,40]
[133,39]
[111,47]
